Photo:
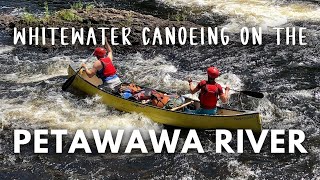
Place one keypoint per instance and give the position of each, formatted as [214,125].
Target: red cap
[100,52]
[213,72]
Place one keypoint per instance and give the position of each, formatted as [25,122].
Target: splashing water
[253,13]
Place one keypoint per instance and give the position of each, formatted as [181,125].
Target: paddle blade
[253,94]
[68,82]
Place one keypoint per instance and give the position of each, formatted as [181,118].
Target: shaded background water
[289,76]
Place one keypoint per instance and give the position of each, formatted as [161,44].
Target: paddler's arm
[225,96]
[91,72]
[192,88]
[109,50]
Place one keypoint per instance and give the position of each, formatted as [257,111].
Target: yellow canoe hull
[226,119]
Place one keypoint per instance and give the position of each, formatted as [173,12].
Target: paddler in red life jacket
[210,91]
[103,67]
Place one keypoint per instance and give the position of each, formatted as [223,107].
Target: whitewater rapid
[252,13]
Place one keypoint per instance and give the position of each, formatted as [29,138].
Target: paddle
[251,93]
[69,81]
[183,105]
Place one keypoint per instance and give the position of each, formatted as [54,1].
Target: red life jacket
[107,68]
[208,95]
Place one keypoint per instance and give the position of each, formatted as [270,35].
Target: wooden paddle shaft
[183,105]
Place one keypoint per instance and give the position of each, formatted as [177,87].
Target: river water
[289,76]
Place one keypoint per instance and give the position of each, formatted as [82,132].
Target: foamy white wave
[253,13]
[316,168]
[57,66]
[287,118]
[240,171]
[317,96]
[8,77]
[5,7]
[156,72]
[53,111]
[267,110]
[5,49]
[302,94]
[17,12]
[51,67]
[25,78]
[230,79]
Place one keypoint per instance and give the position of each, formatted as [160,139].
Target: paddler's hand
[84,67]
[227,88]
[190,80]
